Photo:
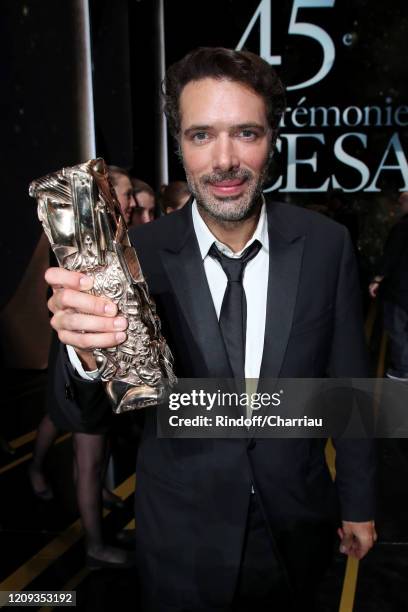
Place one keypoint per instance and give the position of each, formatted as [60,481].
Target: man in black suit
[392,280]
[248,288]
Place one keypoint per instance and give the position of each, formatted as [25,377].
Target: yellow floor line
[369,323]
[28,437]
[378,389]
[351,573]
[382,355]
[28,456]
[81,575]
[331,458]
[18,580]
[349,585]
[25,574]
[71,585]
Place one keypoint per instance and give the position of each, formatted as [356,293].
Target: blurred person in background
[174,196]
[145,201]
[391,283]
[90,458]
[124,191]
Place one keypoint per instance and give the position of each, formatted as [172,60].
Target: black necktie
[233,310]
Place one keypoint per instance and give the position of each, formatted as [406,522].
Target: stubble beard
[228,209]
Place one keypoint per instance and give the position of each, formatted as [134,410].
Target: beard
[228,208]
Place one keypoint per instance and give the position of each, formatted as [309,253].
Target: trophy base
[125,397]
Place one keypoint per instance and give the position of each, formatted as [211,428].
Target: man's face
[144,211]
[124,193]
[225,142]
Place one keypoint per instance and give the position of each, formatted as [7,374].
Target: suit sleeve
[355,458]
[89,396]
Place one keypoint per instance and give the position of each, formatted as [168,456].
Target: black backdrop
[40,90]
[370,40]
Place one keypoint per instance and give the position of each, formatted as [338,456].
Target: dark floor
[42,547]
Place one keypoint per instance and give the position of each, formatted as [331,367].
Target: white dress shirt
[255,284]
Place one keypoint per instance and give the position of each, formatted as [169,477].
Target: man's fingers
[360,549]
[364,543]
[91,341]
[346,544]
[357,544]
[81,302]
[59,277]
[78,322]
[82,320]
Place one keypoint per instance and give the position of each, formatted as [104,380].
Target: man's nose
[132,202]
[224,153]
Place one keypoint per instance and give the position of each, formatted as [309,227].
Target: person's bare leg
[89,458]
[110,499]
[46,435]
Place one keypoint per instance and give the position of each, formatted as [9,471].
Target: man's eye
[200,136]
[248,134]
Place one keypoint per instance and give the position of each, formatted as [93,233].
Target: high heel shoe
[43,494]
[93,563]
[112,501]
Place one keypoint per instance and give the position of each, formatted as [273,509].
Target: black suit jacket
[192,495]
[394,265]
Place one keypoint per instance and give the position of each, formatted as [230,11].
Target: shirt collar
[206,238]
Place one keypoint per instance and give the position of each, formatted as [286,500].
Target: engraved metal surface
[81,217]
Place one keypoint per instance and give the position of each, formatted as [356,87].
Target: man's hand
[357,538]
[82,320]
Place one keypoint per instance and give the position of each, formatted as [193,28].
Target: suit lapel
[185,270]
[182,262]
[285,259]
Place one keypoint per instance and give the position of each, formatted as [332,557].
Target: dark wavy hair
[220,63]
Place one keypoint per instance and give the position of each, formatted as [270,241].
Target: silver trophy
[81,217]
